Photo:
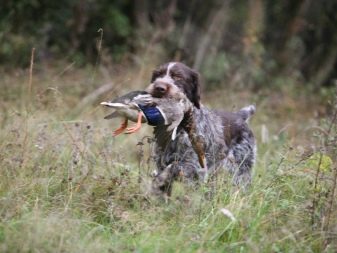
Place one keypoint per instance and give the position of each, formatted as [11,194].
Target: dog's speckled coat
[227,140]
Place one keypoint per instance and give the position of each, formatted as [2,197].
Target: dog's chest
[180,150]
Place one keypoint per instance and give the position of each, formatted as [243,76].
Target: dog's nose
[159,89]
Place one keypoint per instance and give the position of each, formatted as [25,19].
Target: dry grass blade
[30,82]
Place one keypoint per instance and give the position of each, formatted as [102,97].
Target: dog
[228,142]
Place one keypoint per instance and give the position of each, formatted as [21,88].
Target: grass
[67,185]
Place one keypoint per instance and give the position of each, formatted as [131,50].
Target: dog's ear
[155,74]
[195,90]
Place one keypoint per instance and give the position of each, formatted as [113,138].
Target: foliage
[68,185]
[244,43]
[56,28]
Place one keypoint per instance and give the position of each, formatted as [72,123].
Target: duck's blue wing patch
[153,115]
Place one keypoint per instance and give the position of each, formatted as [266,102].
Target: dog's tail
[247,112]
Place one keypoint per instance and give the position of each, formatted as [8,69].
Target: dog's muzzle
[159,89]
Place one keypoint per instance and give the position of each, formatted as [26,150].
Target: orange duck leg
[137,126]
[121,128]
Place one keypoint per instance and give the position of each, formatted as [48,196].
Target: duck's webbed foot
[137,126]
[121,128]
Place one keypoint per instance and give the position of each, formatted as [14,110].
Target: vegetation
[67,185]
[241,42]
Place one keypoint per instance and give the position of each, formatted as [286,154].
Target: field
[66,185]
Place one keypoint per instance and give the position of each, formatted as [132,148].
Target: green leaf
[324,162]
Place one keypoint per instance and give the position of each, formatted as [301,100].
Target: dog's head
[174,77]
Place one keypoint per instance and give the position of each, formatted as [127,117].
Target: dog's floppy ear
[195,90]
[155,74]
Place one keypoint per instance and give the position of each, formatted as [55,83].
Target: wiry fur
[228,141]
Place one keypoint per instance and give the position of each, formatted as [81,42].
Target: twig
[99,47]
[334,185]
[31,72]
[100,30]
[30,81]
[332,200]
[316,198]
[140,144]
[63,71]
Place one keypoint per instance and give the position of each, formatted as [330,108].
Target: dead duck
[141,107]
[126,108]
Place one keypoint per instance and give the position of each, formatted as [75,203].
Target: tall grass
[67,185]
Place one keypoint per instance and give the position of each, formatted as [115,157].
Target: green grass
[67,185]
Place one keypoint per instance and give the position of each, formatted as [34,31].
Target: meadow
[67,185]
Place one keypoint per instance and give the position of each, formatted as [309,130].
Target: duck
[141,107]
[126,108]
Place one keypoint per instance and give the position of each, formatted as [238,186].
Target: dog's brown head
[174,77]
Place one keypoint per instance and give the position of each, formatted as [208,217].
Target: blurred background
[238,43]
[280,55]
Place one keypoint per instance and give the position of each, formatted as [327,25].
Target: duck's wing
[115,105]
[129,111]
[112,115]
[144,100]
[127,98]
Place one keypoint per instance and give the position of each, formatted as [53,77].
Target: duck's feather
[112,115]
[144,100]
[153,115]
[174,133]
[127,98]
[115,105]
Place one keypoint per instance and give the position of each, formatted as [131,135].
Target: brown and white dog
[228,142]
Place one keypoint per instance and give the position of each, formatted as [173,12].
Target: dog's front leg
[162,183]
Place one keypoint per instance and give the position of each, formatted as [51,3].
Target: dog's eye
[176,77]
[156,74]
